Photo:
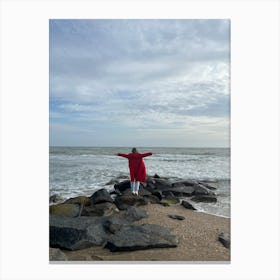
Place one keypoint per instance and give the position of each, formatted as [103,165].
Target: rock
[224,238]
[122,186]
[168,194]
[84,200]
[140,237]
[83,232]
[187,205]
[161,184]
[100,196]
[156,176]
[100,209]
[208,186]
[201,190]
[143,191]
[56,254]
[135,214]
[111,227]
[68,210]
[115,192]
[55,198]
[124,201]
[158,194]
[204,198]
[182,190]
[176,217]
[76,233]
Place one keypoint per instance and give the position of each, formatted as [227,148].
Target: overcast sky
[140,83]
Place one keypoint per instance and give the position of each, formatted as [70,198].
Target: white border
[254,142]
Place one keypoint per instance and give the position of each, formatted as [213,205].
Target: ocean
[75,171]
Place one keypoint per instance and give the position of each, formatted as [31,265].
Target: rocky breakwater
[107,219]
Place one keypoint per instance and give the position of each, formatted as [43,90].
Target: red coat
[136,165]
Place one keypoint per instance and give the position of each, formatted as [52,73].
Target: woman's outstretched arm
[122,155]
[146,154]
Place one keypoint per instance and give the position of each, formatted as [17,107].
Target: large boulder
[100,209]
[160,184]
[124,201]
[83,232]
[100,196]
[67,210]
[140,237]
[122,186]
[76,233]
[201,190]
[182,190]
[84,200]
[134,214]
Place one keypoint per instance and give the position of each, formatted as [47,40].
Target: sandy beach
[197,233]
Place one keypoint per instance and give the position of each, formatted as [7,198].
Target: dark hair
[134,150]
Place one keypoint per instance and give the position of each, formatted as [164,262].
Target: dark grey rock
[201,190]
[161,184]
[100,196]
[181,190]
[168,194]
[100,209]
[176,217]
[156,176]
[204,198]
[158,194]
[143,191]
[124,201]
[122,186]
[208,186]
[76,233]
[111,227]
[83,232]
[224,238]
[187,205]
[140,237]
[134,214]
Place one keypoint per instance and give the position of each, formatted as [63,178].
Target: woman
[137,168]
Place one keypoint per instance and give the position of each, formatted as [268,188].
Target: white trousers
[134,186]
